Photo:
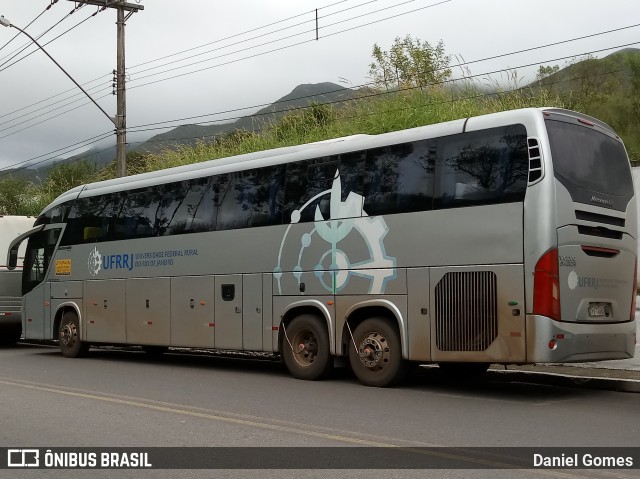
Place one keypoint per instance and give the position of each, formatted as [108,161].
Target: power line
[47,119]
[29,24]
[53,39]
[64,150]
[174,54]
[27,45]
[263,35]
[424,105]
[240,34]
[465,63]
[373,83]
[99,138]
[252,56]
[339,11]
[80,97]
[279,40]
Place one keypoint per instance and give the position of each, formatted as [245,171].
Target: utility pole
[121,114]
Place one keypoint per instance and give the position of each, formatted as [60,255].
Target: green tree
[544,72]
[409,63]
[64,176]
[13,196]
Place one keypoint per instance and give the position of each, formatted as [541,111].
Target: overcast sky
[247,70]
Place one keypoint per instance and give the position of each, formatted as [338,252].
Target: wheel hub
[374,351]
[306,348]
[68,334]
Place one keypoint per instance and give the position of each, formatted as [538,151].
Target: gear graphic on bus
[334,268]
[95,262]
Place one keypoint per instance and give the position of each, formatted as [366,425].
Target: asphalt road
[125,399]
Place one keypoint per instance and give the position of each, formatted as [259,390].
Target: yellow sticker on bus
[63,267]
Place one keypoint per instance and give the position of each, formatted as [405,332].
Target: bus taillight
[546,286]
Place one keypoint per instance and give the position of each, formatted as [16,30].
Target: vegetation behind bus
[414,98]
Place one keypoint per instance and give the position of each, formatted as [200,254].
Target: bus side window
[311,182]
[92,219]
[251,198]
[481,167]
[399,178]
[191,208]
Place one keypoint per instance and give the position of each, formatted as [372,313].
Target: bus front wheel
[305,347]
[375,355]
[69,336]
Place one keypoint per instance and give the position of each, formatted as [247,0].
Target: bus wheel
[305,348]
[463,371]
[69,336]
[376,356]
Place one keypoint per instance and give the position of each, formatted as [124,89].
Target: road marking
[176,409]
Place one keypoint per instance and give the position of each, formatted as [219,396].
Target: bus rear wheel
[376,356]
[69,336]
[305,348]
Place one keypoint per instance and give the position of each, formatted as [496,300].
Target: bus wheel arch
[68,328]
[304,343]
[375,347]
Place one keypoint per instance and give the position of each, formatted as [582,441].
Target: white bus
[505,238]
[10,290]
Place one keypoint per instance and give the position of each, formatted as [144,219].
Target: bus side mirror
[12,257]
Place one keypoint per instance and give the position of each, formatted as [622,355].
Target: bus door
[36,291]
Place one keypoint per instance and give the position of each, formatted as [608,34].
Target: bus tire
[463,372]
[69,336]
[305,348]
[376,356]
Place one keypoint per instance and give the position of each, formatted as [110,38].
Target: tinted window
[192,207]
[40,250]
[481,167]
[250,198]
[93,219]
[309,186]
[57,214]
[399,178]
[142,215]
[589,159]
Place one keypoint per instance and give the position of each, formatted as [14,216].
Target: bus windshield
[589,159]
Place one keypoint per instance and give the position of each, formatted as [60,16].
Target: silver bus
[508,238]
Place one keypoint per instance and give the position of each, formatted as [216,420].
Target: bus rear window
[589,159]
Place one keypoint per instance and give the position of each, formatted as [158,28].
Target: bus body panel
[419,314]
[595,274]
[193,311]
[148,311]
[252,312]
[104,320]
[550,341]
[480,313]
